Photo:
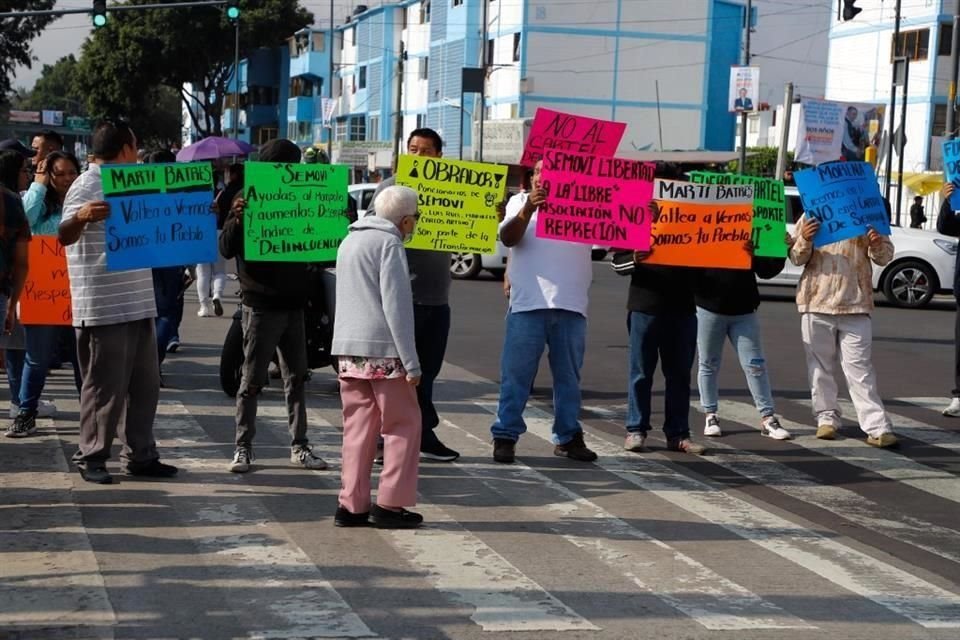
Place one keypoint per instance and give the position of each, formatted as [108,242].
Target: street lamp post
[236,79]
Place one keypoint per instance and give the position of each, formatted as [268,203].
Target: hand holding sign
[94,212]
[845,198]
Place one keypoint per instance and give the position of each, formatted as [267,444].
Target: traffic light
[233,11]
[99,14]
[850,10]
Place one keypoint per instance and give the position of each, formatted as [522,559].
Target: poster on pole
[160,215]
[744,89]
[457,202]
[45,299]
[702,225]
[595,200]
[569,132]
[295,212]
[951,170]
[769,210]
[830,130]
[845,198]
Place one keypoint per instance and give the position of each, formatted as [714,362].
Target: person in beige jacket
[835,299]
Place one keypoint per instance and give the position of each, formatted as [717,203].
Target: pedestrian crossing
[544,548]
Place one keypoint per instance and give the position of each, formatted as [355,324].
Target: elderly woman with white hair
[373,337]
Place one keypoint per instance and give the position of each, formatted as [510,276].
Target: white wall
[790,43]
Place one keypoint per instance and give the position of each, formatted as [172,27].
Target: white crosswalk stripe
[915,429]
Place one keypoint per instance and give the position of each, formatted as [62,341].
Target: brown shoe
[686,445]
[575,450]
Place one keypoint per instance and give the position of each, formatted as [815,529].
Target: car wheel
[464,266]
[909,284]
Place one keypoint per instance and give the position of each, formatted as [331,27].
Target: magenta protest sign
[568,132]
[596,200]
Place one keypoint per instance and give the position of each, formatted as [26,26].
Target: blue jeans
[43,341]
[528,332]
[670,338]
[744,334]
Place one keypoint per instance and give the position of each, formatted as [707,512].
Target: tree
[55,89]
[15,37]
[761,161]
[138,49]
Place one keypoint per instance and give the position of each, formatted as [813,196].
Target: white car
[923,263]
[362,194]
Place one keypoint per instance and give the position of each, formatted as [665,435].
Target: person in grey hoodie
[373,339]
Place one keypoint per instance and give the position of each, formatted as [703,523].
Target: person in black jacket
[727,301]
[948,223]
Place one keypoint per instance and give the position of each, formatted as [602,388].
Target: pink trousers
[372,408]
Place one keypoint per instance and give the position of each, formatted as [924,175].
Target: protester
[917,217]
[430,279]
[43,204]
[835,300]
[43,144]
[727,302]
[948,223]
[273,296]
[662,324]
[549,285]
[374,340]
[113,313]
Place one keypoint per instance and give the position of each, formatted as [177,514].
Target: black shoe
[344,518]
[217,307]
[25,424]
[152,469]
[504,450]
[575,450]
[96,475]
[386,519]
[432,449]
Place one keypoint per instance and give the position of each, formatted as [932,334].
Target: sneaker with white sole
[242,459]
[206,311]
[771,428]
[25,424]
[711,427]
[302,456]
[635,441]
[953,409]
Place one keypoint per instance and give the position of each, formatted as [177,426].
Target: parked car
[923,263]
[465,266]
[362,194]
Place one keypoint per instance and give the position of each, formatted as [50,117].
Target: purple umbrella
[213,148]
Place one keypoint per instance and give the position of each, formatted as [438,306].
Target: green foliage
[55,89]
[16,35]
[761,161]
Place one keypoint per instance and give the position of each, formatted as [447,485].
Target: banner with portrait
[830,130]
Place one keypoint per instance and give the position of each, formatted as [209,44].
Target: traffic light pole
[742,165]
[236,79]
[951,130]
[116,7]
[893,105]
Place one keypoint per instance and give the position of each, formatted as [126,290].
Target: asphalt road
[796,540]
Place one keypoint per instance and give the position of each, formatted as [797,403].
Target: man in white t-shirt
[549,281]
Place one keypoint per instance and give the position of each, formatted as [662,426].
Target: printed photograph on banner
[160,215]
[845,198]
[45,299]
[596,200]
[569,132]
[295,212]
[830,130]
[744,89]
[458,202]
[769,210]
[702,225]
[951,170]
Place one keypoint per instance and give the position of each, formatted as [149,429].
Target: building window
[373,128]
[363,78]
[939,123]
[945,39]
[353,36]
[342,38]
[421,120]
[425,12]
[514,110]
[753,125]
[358,128]
[292,130]
[340,133]
[516,47]
[403,14]
[491,49]
[318,42]
[424,67]
[456,3]
[914,45]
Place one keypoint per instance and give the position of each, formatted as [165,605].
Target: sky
[66,34]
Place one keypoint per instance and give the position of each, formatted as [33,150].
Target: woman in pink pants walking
[373,338]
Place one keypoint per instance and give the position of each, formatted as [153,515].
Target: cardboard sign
[295,212]
[702,225]
[567,132]
[594,200]
[845,198]
[951,170]
[769,210]
[160,215]
[457,203]
[46,293]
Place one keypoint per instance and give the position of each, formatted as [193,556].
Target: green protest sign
[295,212]
[769,210]
[457,203]
[136,179]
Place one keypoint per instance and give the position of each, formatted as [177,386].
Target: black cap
[16,145]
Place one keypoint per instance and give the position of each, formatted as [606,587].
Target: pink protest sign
[594,200]
[568,132]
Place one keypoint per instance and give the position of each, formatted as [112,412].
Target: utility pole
[236,79]
[784,131]
[742,165]
[398,115]
[951,131]
[893,104]
[330,88]
[905,61]
[483,89]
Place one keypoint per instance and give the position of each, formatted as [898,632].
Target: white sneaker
[712,426]
[205,311]
[953,410]
[242,459]
[45,409]
[635,441]
[302,456]
[771,428]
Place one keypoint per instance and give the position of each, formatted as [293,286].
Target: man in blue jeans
[549,282]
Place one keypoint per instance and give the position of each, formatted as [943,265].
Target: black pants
[431,327]
[956,353]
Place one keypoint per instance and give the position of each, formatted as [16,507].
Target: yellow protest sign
[458,202]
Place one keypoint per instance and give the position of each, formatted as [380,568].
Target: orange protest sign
[46,293]
[702,225]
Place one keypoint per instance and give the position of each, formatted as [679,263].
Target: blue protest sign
[951,170]
[845,198]
[160,215]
